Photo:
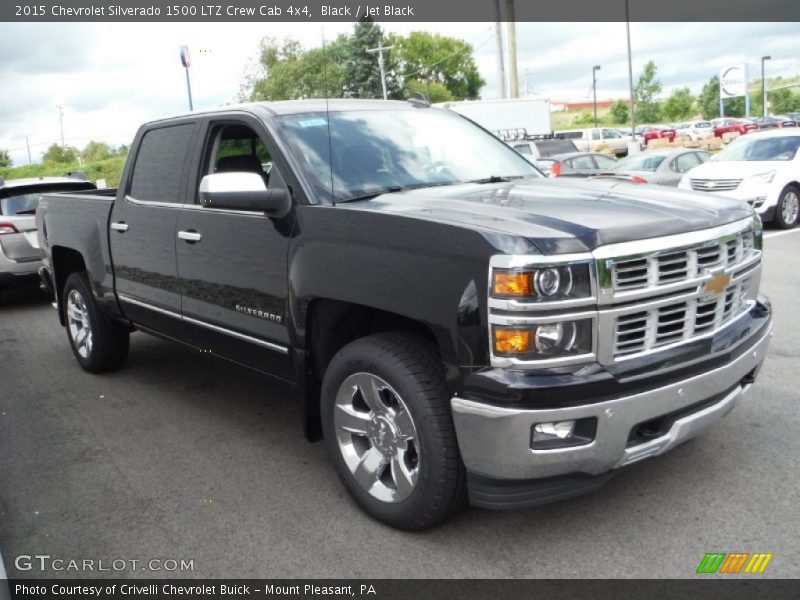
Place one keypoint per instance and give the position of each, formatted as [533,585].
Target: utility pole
[28,146]
[61,121]
[595,69]
[630,70]
[764,84]
[513,78]
[501,63]
[379,50]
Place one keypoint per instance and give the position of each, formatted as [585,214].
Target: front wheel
[389,430]
[98,342]
[788,208]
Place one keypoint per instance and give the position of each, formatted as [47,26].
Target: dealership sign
[733,81]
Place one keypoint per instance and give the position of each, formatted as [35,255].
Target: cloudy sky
[110,78]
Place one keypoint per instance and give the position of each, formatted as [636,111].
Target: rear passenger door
[142,229]
[232,263]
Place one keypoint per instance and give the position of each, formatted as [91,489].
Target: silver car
[662,167]
[20,258]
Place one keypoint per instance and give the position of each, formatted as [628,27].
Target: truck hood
[562,216]
[735,169]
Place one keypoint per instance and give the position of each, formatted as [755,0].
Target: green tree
[679,105]
[5,158]
[434,91]
[440,59]
[783,101]
[362,72]
[647,87]
[95,151]
[708,102]
[619,112]
[56,154]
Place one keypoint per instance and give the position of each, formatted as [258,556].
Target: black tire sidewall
[409,513]
[78,282]
[779,208]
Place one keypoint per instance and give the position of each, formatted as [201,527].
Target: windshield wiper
[26,212]
[495,179]
[392,189]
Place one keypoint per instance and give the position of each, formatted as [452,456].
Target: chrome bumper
[495,441]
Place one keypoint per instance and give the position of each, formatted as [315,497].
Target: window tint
[159,164]
[569,135]
[524,149]
[24,204]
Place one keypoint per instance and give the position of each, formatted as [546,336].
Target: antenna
[327,112]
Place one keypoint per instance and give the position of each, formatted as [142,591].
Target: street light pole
[595,69]
[764,84]
[61,122]
[186,61]
[630,71]
[380,50]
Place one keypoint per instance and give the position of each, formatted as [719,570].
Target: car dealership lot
[186,457]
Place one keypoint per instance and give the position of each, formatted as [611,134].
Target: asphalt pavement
[183,457]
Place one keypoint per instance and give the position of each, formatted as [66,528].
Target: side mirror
[243,191]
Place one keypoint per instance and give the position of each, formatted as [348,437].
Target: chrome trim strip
[516,261]
[153,203]
[217,328]
[247,213]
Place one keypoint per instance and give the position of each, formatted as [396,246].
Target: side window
[524,149]
[582,163]
[684,162]
[604,162]
[703,157]
[237,148]
[595,134]
[159,164]
[610,133]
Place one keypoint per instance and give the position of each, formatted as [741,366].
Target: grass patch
[109,169]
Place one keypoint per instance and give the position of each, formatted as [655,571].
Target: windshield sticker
[312,122]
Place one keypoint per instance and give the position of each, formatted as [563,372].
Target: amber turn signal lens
[513,284]
[512,341]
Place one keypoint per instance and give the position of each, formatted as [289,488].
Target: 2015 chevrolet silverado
[456,326]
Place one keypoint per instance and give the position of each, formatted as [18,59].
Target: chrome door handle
[190,236]
[120,226]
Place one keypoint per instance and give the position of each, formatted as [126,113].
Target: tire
[389,388]
[98,342]
[788,208]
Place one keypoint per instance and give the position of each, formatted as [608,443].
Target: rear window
[24,204]
[569,135]
[159,164]
[551,147]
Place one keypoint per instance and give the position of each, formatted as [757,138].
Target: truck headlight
[545,283]
[761,178]
[544,340]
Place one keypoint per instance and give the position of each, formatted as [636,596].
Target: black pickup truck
[456,326]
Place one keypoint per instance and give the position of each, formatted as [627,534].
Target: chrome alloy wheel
[80,328]
[790,207]
[377,437]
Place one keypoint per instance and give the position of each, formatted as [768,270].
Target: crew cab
[455,326]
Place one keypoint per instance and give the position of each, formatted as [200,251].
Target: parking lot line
[772,234]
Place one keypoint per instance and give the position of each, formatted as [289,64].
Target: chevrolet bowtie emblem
[711,184]
[718,283]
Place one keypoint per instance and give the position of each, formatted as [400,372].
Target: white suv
[762,169]
[695,130]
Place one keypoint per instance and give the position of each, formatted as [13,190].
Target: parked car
[536,149]
[740,126]
[454,325]
[655,132]
[773,122]
[589,140]
[576,164]
[762,169]
[662,167]
[20,257]
[695,130]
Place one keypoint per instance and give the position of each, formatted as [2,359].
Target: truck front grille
[674,266]
[715,185]
[644,330]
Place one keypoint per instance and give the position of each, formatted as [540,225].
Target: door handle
[120,226]
[190,236]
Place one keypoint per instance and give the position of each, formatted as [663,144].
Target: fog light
[563,434]
[759,201]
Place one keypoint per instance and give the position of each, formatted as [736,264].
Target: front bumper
[495,441]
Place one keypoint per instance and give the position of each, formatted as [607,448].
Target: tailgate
[22,246]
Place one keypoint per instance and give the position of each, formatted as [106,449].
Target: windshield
[386,150]
[639,162]
[773,148]
[24,204]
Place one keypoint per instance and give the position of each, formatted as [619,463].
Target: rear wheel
[98,342]
[788,208]
[388,428]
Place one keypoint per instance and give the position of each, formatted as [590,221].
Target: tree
[96,151]
[679,105]
[440,59]
[5,158]
[363,73]
[647,86]
[783,101]
[434,91]
[708,102]
[60,155]
[619,112]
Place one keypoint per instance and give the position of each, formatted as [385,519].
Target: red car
[740,126]
[653,132]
